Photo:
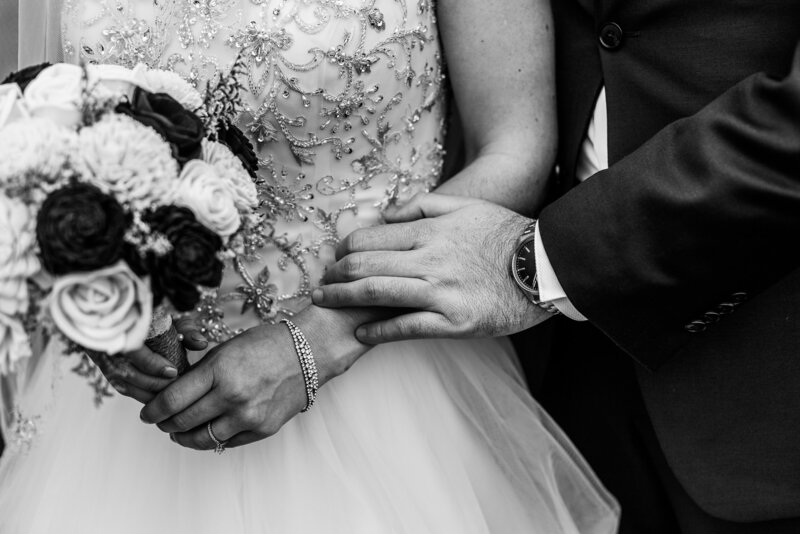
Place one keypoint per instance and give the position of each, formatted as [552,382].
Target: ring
[220,446]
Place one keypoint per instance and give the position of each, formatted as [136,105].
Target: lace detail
[344,104]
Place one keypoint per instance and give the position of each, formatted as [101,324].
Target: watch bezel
[530,290]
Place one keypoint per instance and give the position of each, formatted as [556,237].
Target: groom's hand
[450,269]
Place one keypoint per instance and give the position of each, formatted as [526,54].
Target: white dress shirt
[592,159]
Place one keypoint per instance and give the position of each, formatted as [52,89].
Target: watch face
[524,266]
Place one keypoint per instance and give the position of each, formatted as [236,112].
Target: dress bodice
[344,105]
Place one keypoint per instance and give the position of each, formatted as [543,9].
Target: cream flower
[128,160]
[36,146]
[18,260]
[231,170]
[56,94]
[107,310]
[12,106]
[164,81]
[14,344]
[113,81]
[202,190]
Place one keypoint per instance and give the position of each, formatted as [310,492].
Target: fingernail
[361,332]
[317,295]
[145,421]
[169,372]
[172,437]
[120,388]
[198,337]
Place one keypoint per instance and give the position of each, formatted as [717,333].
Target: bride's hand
[142,373]
[247,387]
[251,385]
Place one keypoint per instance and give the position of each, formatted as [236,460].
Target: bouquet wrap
[163,339]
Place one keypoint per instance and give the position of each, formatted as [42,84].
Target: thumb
[426,205]
[193,338]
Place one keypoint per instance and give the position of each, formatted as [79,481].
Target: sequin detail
[345,105]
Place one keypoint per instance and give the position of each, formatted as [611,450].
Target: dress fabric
[345,104]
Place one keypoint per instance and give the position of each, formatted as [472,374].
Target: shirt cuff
[550,290]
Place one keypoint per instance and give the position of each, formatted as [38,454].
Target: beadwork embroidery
[344,97]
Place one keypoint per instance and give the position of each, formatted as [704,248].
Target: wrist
[524,268]
[330,333]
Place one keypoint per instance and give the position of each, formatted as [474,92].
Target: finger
[385,291]
[427,205]
[243,438]
[365,264]
[199,438]
[206,409]
[151,363]
[385,237]
[415,325]
[193,338]
[179,395]
[135,378]
[130,391]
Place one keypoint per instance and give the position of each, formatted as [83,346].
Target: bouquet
[121,193]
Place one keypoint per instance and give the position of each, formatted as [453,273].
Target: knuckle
[351,265]
[353,241]
[250,417]
[372,290]
[181,423]
[235,393]
[171,400]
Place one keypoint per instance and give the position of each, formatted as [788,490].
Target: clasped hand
[247,387]
[445,260]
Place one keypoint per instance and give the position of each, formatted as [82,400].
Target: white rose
[202,190]
[56,94]
[164,81]
[107,310]
[18,260]
[12,107]
[230,168]
[112,81]
[14,344]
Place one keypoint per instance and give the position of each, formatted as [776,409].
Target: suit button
[611,36]
[711,317]
[726,308]
[696,327]
[738,298]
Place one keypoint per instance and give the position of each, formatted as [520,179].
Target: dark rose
[80,228]
[181,128]
[26,75]
[235,139]
[192,261]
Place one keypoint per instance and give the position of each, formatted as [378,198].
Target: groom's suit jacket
[686,251]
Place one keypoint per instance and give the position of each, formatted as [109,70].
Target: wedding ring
[220,446]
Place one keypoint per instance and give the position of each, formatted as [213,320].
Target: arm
[709,207]
[508,108]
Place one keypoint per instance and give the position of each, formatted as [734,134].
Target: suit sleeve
[707,208]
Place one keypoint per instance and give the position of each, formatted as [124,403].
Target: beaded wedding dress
[346,109]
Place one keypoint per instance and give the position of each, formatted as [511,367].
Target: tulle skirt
[418,437]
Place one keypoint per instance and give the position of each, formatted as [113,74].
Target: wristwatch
[523,268]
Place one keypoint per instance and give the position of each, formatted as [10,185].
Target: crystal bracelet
[307,363]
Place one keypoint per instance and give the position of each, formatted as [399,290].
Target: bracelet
[307,363]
